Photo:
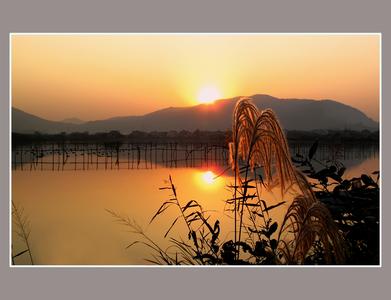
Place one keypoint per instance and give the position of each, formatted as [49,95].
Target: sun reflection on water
[207,179]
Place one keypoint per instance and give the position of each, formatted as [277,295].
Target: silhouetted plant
[21,227]
[352,202]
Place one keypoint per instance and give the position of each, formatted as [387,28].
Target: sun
[208,94]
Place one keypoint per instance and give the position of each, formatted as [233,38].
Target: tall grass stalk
[203,236]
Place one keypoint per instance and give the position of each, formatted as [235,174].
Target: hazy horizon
[93,77]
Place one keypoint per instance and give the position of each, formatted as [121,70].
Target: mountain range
[294,114]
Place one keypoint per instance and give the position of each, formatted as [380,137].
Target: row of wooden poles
[152,155]
[129,156]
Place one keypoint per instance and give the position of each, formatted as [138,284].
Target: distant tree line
[334,136]
[184,136]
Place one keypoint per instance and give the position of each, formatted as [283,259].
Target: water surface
[67,207]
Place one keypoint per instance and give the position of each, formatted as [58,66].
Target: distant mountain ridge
[73,121]
[294,114]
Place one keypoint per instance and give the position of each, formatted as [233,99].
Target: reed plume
[309,220]
[258,141]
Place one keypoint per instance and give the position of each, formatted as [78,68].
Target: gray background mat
[191,16]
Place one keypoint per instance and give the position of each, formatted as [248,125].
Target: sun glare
[209,177]
[208,94]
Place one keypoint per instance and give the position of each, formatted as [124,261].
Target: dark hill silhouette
[23,122]
[294,114]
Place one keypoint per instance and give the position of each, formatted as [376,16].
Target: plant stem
[23,230]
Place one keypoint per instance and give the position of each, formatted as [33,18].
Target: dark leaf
[243,197]
[246,247]
[216,232]
[313,149]
[130,245]
[216,226]
[162,208]
[273,228]
[172,225]
[264,205]
[335,177]
[191,203]
[346,184]
[341,171]
[196,218]
[367,180]
[259,249]
[194,236]
[253,204]
[257,213]
[205,222]
[208,257]
[273,244]
[20,253]
[274,206]
[261,180]
[337,189]
[322,174]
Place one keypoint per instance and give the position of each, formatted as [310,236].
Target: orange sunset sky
[100,76]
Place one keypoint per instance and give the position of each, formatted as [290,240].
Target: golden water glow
[63,76]
[208,94]
[81,223]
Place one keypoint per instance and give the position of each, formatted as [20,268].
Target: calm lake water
[66,202]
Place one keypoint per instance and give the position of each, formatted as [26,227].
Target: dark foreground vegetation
[352,202]
[331,219]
